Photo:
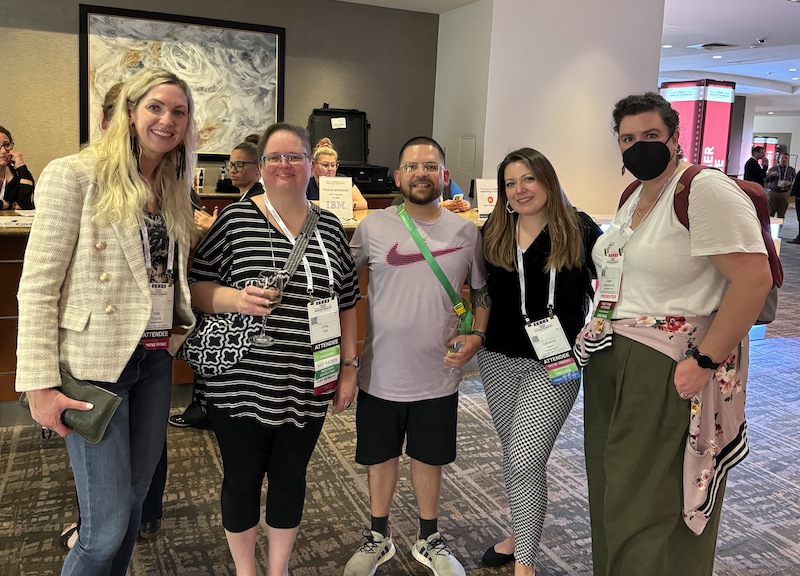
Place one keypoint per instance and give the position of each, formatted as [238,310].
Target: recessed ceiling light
[716,57]
[770,113]
[796,78]
[667,46]
[792,69]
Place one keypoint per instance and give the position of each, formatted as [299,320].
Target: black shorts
[428,426]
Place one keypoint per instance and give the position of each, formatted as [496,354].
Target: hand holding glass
[271,280]
[454,342]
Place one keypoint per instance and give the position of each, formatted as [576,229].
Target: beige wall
[377,60]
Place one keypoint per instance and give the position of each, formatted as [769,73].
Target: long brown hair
[499,232]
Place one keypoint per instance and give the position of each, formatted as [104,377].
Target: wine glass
[454,342]
[272,280]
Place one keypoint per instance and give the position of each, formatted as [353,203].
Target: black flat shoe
[66,535]
[149,530]
[494,559]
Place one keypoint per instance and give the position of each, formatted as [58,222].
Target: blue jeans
[113,476]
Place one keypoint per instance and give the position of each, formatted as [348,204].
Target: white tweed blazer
[84,298]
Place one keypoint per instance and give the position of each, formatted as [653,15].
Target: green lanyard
[463,311]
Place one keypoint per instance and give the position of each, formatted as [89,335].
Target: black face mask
[646,160]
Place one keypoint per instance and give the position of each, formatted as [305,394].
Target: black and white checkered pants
[528,412]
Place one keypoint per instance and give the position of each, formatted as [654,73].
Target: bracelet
[481,334]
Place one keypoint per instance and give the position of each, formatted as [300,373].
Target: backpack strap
[627,192]
[681,200]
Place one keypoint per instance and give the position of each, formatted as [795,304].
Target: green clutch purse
[88,424]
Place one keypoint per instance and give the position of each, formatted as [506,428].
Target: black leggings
[249,451]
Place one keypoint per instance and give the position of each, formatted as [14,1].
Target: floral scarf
[717,438]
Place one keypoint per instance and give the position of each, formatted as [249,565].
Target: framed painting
[235,70]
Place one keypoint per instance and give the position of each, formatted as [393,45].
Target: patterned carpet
[760,533]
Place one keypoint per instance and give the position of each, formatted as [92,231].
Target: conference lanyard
[306,265]
[547,336]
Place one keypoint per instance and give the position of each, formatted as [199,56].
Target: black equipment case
[347,129]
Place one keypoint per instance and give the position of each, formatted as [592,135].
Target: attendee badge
[159,327]
[553,350]
[609,285]
[547,335]
[326,332]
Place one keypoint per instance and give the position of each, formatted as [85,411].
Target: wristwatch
[481,334]
[704,361]
[354,361]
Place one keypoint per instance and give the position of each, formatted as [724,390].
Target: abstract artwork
[235,70]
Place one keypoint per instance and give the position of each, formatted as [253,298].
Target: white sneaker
[434,553]
[375,549]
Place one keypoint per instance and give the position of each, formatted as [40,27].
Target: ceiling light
[770,113]
[796,78]
[792,69]
[667,46]
[716,57]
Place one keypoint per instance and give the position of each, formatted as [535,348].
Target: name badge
[551,346]
[159,327]
[326,333]
[609,285]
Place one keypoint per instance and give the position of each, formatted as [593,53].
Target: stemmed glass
[454,342]
[272,280]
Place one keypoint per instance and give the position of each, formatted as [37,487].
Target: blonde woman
[103,284]
[325,160]
[536,247]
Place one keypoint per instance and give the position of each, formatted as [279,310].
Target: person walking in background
[755,169]
[268,409]
[16,181]
[667,351]
[795,193]
[779,181]
[539,275]
[104,279]
[408,382]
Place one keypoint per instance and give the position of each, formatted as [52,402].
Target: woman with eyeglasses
[325,160]
[267,410]
[16,181]
[243,170]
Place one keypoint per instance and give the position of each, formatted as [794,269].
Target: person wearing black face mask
[663,351]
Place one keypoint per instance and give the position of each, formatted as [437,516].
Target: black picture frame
[235,69]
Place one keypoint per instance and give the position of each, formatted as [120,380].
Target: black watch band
[481,334]
[704,361]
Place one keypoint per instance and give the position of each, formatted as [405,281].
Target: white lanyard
[148,260]
[3,189]
[306,266]
[551,293]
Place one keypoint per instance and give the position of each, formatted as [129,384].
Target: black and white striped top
[273,385]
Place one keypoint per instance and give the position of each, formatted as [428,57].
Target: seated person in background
[458,204]
[243,168]
[325,160]
[16,181]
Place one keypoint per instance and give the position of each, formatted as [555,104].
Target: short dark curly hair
[647,102]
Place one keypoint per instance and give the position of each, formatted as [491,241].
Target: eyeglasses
[291,158]
[239,165]
[7,145]
[427,167]
[327,165]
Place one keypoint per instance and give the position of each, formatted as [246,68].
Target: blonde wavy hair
[324,151]
[499,232]
[124,194]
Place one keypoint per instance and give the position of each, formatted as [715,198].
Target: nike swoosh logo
[394,258]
